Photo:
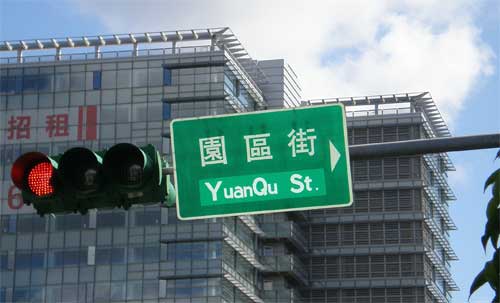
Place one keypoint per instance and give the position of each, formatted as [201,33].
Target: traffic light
[81,179]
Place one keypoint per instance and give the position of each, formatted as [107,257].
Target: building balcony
[441,269]
[443,212]
[437,294]
[288,265]
[288,231]
[251,223]
[438,177]
[241,283]
[234,64]
[241,247]
[440,238]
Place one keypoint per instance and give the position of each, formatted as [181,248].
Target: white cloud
[338,48]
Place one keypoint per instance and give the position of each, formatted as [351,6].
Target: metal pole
[168,171]
[415,147]
[423,146]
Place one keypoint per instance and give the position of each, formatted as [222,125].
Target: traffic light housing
[81,179]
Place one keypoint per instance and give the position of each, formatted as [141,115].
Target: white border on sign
[264,211]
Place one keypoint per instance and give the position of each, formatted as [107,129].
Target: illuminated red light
[39,179]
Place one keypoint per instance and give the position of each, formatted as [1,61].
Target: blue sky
[329,46]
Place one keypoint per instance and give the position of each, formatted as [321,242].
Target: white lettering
[263,190]
[273,188]
[260,187]
[229,193]
[214,190]
[307,181]
[296,180]
[248,191]
[238,192]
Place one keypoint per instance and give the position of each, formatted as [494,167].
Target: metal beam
[414,147]
[424,146]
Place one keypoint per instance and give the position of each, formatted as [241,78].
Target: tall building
[390,246]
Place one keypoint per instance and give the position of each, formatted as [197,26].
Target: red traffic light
[34,172]
[40,179]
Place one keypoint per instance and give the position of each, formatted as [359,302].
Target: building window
[71,222]
[30,223]
[148,254]
[9,224]
[194,251]
[268,251]
[150,289]
[118,291]
[77,81]
[30,83]
[237,87]
[37,260]
[167,77]
[115,255]
[147,217]
[21,294]
[97,80]
[191,288]
[268,285]
[110,219]
[4,261]
[23,260]
[167,111]
[101,292]
[11,85]
[134,290]
[140,78]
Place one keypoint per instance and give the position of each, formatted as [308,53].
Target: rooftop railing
[385,111]
[91,55]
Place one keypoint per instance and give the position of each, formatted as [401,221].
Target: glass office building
[390,246]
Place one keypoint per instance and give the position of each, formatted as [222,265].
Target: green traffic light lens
[90,177]
[134,174]
[126,164]
[81,169]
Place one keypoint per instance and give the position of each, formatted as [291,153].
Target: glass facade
[391,245]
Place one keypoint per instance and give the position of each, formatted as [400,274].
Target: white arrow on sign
[334,155]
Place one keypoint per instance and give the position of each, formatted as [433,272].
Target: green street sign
[261,162]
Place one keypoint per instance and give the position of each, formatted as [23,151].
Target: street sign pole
[261,162]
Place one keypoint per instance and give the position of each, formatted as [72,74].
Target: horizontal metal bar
[168,170]
[424,146]
[415,147]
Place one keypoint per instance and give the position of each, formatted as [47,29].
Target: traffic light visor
[34,172]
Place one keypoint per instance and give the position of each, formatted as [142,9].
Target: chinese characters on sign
[57,125]
[213,149]
[75,123]
[257,148]
[300,143]
[19,127]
